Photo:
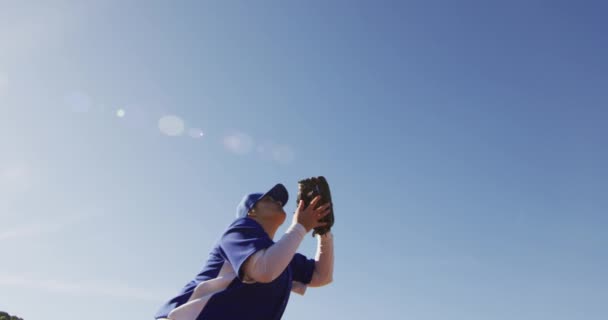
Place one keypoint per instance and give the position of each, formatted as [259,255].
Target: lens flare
[171,125]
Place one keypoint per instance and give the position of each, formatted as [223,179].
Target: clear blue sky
[465,143]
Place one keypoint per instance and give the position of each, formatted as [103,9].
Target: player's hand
[309,217]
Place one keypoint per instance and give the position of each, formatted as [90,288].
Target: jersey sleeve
[242,239]
[302,268]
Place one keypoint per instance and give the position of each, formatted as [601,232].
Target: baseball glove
[308,189]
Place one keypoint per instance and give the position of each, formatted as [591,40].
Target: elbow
[329,279]
[321,281]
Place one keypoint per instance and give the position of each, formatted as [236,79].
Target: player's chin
[282,217]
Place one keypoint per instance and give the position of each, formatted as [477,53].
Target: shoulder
[244,226]
[244,234]
[244,223]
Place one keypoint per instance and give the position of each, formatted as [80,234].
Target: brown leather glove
[308,189]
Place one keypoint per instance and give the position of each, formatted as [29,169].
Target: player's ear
[251,213]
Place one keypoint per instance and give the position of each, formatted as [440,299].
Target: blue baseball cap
[278,192]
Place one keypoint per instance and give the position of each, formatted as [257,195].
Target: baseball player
[250,276]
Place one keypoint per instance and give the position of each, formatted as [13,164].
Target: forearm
[266,265]
[324,261]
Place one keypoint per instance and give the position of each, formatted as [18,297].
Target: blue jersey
[264,301]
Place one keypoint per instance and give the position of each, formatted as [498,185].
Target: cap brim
[278,192]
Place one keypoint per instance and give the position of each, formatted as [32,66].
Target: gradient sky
[465,142]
